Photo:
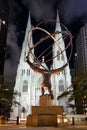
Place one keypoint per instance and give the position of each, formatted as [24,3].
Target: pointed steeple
[25,42]
[58,47]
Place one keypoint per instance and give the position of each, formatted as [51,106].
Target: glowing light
[2,21]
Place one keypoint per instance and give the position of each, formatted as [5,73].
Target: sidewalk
[24,127]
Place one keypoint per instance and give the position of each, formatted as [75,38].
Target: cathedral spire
[25,42]
[58,46]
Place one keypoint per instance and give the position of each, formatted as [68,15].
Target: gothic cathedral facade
[28,82]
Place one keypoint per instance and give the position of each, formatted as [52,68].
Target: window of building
[24,55]
[62,57]
[61,86]
[58,56]
[23,109]
[28,72]
[23,71]
[25,86]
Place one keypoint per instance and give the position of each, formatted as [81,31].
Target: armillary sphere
[60,35]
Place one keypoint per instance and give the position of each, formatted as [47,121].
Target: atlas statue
[35,63]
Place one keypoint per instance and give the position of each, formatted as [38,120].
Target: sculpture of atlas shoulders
[35,62]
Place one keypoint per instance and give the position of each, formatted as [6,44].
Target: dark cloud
[69,9]
[72,13]
[12,48]
[41,9]
[12,54]
[14,9]
[73,9]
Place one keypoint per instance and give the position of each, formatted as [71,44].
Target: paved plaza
[24,127]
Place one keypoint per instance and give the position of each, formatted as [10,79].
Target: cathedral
[28,82]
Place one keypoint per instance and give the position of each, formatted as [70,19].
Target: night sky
[73,14]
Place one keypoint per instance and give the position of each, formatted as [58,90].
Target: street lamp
[1,22]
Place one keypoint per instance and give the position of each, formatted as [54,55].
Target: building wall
[81,48]
[81,64]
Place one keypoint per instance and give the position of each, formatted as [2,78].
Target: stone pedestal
[45,114]
[45,100]
[47,110]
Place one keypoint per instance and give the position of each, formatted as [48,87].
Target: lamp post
[1,22]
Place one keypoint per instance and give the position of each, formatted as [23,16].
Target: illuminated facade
[28,81]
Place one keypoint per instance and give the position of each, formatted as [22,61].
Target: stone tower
[28,82]
[61,81]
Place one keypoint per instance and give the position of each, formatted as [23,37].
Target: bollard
[17,120]
[73,121]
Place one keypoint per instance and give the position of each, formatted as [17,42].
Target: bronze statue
[47,73]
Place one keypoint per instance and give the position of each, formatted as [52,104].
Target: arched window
[25,86]
[61,86]
[23,109]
